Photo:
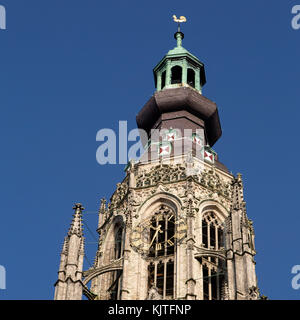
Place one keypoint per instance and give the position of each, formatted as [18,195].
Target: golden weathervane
[179,20]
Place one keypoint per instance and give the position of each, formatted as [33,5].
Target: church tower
[176,227]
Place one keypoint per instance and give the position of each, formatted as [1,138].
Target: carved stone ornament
[161,173]
[153,294]
[211,180]
[120,193]
[253,293]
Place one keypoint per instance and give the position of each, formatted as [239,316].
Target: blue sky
[71,68]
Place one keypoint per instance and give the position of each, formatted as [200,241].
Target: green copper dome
[179,68]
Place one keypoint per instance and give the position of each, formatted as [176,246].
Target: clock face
[159,234]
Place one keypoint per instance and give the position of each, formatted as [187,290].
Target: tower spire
[76,224]
[69,285]
[242,251]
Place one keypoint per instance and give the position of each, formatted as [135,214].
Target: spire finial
[103,205]
[78,207]
[76,224]
[239,177]
[179,35]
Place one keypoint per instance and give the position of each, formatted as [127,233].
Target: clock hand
[155,234]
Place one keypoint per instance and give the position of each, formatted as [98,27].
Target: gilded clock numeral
[170,242]
[158,246]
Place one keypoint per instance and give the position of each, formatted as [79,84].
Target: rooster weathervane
[179,20]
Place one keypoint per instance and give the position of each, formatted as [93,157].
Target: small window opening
[163,79]
[176,75]
[191,77]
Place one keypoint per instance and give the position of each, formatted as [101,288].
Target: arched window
[118,242]
[176,75]
[163,79]
[213,267]
[191,77]
[204,233]
[161,252]
[212,232]
[114,288]
[213,275]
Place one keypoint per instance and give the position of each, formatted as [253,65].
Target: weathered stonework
[191,196]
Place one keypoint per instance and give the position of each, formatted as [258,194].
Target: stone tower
[176,227]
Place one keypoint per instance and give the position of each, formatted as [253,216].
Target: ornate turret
[179,68]
[240,246]
[69,285]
